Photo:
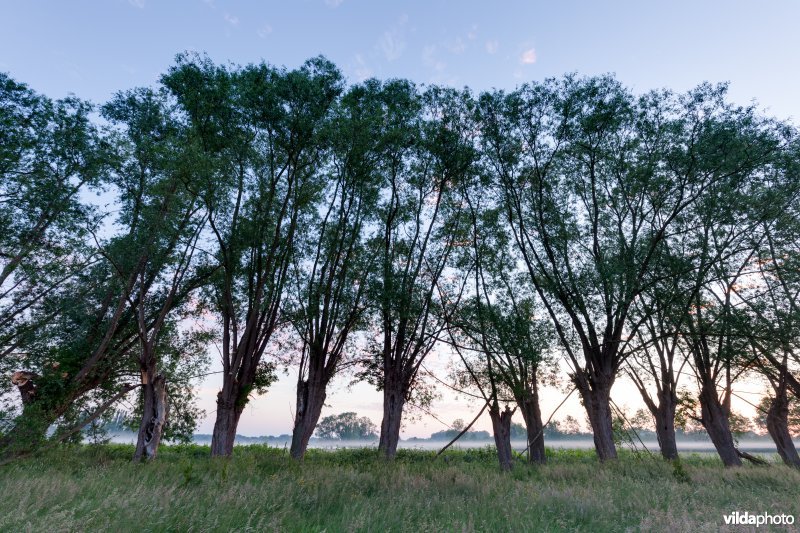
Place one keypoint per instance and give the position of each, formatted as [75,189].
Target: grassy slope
[98,488]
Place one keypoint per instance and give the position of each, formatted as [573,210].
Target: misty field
[262,489]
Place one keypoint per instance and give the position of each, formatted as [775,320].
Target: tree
[772,299]
[61,314]
[257,131]
[426,150]
[500,323]
[346,426]
[655,356]
[326,297]
[156,257]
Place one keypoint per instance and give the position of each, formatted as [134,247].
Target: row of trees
[282,217]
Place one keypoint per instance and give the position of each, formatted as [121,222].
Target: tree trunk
[393,402]
[597,402]
[664,415]
[715,420]
[26,385]
[535,429]
[310,400]
[778,427]
[501,427]
[154,416]
[229,408]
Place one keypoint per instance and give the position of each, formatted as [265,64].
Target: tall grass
[262,489]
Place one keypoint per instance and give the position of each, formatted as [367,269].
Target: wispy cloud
[333,3]
[472,34]
[458,46]
[361,70]
[528,57]
[430,59]
[264,31]
[137,3]
[392,42]
[492,46]
[392,45]
[231,19]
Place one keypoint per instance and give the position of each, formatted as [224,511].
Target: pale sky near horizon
[95,48]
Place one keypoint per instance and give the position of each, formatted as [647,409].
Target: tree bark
[154,416]
[393,402]
[664,415]
[714,418]
[26,385]
[778,427]
[535,428]
[597,402]
[501,427]
[229,408]
[310,400]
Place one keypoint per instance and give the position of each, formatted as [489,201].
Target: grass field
[95,488]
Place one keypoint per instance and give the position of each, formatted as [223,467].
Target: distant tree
[518,431]
[570,425]
[346,426]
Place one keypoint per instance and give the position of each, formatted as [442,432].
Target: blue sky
[94,48]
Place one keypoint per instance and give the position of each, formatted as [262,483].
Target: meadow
[98,488]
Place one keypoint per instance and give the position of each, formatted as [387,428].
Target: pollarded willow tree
[101,330]
[769,294]
[655,361]
[156,258]
[499,332]
[63,343]
[594,181]
[326,301]
[720,244]
[427,146]
[257,132]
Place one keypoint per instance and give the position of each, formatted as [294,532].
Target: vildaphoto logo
[738,518]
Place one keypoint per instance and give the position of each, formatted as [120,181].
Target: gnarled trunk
[778,427]
[535,429]
[597,402]
[665,432]
[229,408]
[154,416]
[310,400]
[714,418]
[501,427]
[393,402]
[664,415]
